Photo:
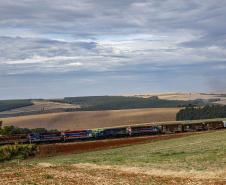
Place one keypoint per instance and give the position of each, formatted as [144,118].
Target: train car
[172,128]
[44,137]
[224,122]
[193,127]
[77,134]
[34,137]
[98,133]
[115,132]
[214,125]
[145,130]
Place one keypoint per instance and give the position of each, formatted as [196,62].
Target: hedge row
[17,151]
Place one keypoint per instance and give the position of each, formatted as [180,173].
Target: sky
[54,49]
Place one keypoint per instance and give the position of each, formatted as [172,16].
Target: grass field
[206,151]
[196,159]
[93,119]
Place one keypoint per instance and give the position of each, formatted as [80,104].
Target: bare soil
[87,174]
[93,119]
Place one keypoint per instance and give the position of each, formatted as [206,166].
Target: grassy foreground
[205,151]
[194,160]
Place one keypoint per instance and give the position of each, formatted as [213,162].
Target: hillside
[185,153]
[11,108]
[36,107]
[127,102]
[93,119]
[192,160]
[219,98]
[6,105]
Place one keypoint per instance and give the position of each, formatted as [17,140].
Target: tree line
[206,112]
[12,130]
[91,103]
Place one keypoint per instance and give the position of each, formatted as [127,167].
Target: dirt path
[204,175]
[89,174]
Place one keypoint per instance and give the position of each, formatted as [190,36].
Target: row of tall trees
[123,102]
[206,112]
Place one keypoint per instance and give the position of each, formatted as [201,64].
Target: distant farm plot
[220,98]
[93,119]
[39,106]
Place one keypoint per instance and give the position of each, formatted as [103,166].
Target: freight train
[117,132]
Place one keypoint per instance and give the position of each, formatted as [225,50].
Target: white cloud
[46,37]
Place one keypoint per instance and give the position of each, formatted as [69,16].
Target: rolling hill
[93,119]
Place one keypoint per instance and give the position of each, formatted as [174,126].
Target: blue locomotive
[118,132]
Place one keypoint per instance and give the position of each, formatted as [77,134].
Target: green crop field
[205,151]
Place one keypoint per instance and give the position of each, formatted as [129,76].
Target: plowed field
[93,119]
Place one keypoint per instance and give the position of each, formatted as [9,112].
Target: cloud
[99,36]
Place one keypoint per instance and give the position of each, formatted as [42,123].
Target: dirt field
[93,119]
[90,174]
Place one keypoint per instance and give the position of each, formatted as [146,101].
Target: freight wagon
[125,131]
[45,137]
[145,130]
[77,134]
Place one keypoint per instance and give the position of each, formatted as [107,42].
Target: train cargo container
[115,132]
[214,125]
[192,127]
[77,134]
[145,130]
[44,137]
[172,128]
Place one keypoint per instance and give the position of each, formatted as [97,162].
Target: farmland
[194,159]
[11,108]
[36,107]
[221,98]
[202,152]
[6,105]
[93,119]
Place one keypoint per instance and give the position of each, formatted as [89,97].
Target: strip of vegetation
[13,104]
[206,112]
[123,102]
[12,130]
[8,152]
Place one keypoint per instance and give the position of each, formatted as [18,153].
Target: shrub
[17,151]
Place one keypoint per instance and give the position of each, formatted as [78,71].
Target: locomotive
[118,132]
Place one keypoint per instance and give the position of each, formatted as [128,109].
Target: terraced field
[195,159]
